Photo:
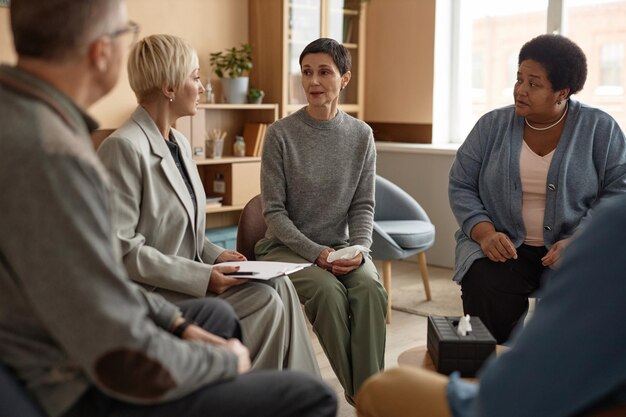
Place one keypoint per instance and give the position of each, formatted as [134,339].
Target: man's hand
[194,332]
[218,283]
[243,355]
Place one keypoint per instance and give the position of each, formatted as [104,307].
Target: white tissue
[347,253]
[464,326]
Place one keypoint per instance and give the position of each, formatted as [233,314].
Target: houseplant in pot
[255,95]
[232,67]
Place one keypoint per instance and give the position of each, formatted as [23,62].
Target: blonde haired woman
[159,212]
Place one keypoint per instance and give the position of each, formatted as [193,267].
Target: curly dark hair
[563,60]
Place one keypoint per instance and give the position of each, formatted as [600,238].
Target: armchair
[401,229]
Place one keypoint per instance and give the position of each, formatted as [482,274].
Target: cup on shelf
[214,143]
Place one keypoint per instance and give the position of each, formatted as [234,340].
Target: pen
[240,273]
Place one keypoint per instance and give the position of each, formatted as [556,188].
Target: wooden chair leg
[387,285]
[421,260]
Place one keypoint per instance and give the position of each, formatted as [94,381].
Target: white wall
[423,173]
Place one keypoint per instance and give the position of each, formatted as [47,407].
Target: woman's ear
[168,92]
[563,94]
[345,79]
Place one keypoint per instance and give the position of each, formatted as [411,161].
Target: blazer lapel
[159,148]
[196,184]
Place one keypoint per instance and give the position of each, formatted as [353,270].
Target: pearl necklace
[552,125]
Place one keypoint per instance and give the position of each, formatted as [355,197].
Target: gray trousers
[257,393]
[347,313]
[272,325]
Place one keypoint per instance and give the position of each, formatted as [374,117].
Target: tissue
[464,326]
[347,253]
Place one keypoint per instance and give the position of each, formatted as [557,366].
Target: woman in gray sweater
[317,185]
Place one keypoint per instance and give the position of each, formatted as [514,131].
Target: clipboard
[265,270]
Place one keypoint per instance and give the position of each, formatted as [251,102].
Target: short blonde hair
[158,61]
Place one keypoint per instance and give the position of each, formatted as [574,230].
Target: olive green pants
[347,313]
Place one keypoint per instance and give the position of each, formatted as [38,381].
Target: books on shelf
[253,136]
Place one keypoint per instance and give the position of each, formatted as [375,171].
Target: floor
[404,332]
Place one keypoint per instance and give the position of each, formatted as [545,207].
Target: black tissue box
[451,352]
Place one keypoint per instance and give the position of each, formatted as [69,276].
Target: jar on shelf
[239,147]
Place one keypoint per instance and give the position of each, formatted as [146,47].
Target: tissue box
[451,352]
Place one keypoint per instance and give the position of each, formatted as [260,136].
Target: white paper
[347,253]
[464,326]
[265,270]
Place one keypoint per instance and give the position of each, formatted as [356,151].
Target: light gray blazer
[162,239]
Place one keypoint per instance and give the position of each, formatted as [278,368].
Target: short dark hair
[340,55]
[563,60]
[50,29]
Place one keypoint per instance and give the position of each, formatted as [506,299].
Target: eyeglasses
[132,28]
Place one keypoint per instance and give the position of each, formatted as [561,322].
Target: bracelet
[180,329]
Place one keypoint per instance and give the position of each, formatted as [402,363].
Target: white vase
[235,89]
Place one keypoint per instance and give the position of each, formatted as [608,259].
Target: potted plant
[232,67]
[255,96]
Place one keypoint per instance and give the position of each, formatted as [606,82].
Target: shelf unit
[236,179]
[279,31]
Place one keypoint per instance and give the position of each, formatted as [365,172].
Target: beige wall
[209,25]
[399,61]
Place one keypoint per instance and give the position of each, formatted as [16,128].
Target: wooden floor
[404,332]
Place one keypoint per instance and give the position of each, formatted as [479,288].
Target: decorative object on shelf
[232,67]
[255,96]
[210,97]
[215,143]
[239,147]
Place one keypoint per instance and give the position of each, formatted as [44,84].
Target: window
[611,63]
[477,44]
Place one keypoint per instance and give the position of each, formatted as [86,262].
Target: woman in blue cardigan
[526,179]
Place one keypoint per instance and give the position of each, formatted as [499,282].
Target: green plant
[255,93]
[233,62]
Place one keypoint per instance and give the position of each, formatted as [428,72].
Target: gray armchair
[401,229]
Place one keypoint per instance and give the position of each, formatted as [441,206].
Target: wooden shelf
[223,209]
[226,160]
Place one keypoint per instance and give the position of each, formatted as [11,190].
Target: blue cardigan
[589,165]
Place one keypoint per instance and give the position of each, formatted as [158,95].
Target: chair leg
[421,260]
[387,285]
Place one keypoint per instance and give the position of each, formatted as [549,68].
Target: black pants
[498,292]
[258,393]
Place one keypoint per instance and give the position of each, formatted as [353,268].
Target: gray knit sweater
[317,182]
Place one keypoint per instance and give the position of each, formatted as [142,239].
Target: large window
[476,47]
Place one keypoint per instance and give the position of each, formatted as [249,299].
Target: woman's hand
[553,257]
[345,266]
[322,259]
[243,355]
[230,256]
[495,245]
[218,283]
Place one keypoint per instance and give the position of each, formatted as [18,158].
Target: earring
[171,99]
[558,102]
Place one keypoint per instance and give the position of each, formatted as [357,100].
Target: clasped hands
[196,333]
[498,247]
[340,266]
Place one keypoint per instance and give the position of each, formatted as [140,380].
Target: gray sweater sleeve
[77,286]
[361,212]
